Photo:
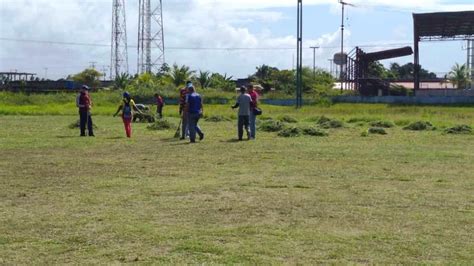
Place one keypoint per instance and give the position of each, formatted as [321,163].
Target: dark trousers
[86,119]
[243,123]
[193,127]
[159,110]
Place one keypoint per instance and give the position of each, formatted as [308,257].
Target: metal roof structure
[444,26]
[440,26]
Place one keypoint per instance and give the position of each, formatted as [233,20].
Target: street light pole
[314,59]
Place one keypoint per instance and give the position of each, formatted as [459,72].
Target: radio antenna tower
[119,53]
[151,39]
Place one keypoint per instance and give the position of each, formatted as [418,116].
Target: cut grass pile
[382,124]
[328,123]
[161,124]
[290,132]
[271,126]
[217,118]
[377,130]
[459,129]
[288,119]
[314,131]
[420,126]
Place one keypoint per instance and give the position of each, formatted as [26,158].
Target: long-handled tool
[177,134]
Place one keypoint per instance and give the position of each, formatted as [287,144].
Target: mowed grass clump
[290,132]
[271,126]
[382,124]
[420,126]
[377,130]
[217,118]
[288,119]
[314,131]
[459,129]
[327,123]
[161,124]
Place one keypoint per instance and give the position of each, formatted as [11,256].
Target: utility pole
[330,67]
[314,59]
[93,63]
[151,37]
[343,4]
[46,73]
[470,61]
[119,49]
[299,56]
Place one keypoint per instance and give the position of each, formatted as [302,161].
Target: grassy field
[403,198]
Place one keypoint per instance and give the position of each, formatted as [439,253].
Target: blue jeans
[193,127]
[252,121]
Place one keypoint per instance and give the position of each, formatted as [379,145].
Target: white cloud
[188,23]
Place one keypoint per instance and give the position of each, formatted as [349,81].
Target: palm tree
[122,81]
[204,79]
[180,74]
[459,76]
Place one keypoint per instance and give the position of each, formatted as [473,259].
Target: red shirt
[182,96]
[159,101]
[84,100]
[254,96]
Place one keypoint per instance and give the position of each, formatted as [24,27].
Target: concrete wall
[438,100]
[453,93]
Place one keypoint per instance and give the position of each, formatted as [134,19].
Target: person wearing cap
[244,102]
[183,93]
[84,104]
[127,106]
[194,111]
[159,105]
[253,105]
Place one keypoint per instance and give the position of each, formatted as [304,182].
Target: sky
[27,25]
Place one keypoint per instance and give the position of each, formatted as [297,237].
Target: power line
[196,48]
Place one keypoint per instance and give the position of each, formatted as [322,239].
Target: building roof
[444,25]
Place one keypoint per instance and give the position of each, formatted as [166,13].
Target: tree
[204,79]
[459,76]
[180,74]
[222,82]
[89,77]
[122,81]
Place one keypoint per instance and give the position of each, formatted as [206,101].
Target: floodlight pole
[314,59]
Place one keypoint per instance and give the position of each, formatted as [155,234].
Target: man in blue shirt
[194,112]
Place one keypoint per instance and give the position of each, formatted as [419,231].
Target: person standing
[159,105]
[183,93]
[84,103]
[127,106]
[253,105]
[194,111]
[244,102]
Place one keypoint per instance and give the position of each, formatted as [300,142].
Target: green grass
[403,198]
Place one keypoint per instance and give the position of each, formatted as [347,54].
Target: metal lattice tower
[151,41]
[119,53]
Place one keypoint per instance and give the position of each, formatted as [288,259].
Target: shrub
[313,131]
[290,132]
[271,126]
[420,126]
[161,124]
[377,130]
[216,118]
[459,129]
[383,124]
[288,119]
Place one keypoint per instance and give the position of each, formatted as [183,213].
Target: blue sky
[215,23]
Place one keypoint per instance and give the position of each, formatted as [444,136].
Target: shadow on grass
[233,141]
[67,137]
